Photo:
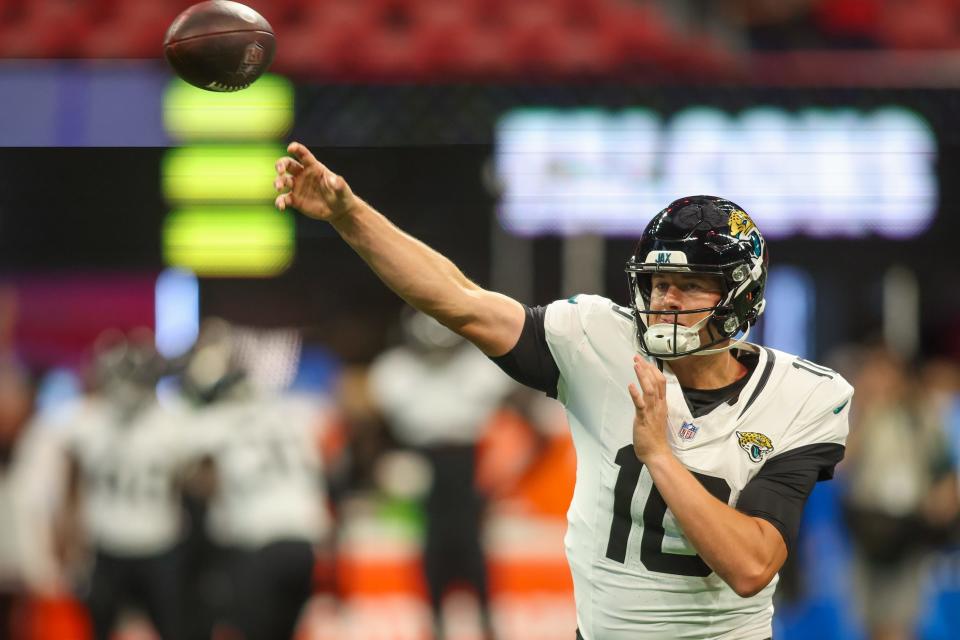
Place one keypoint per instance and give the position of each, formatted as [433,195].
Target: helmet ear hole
[730,325]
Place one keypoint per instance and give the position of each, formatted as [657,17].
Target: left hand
[650,418]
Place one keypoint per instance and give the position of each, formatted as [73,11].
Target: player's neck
[712,371]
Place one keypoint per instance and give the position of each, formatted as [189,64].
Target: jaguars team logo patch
[755,444]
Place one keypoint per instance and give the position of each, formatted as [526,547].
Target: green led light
[220,173]
[229,241]
[262,111]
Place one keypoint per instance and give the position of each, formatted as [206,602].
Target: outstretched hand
[650,416]
[307,185]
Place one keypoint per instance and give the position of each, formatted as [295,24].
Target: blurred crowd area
[494,38]
[253,486]
[257,487]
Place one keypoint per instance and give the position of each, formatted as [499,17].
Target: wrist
[346,220]
[659,460]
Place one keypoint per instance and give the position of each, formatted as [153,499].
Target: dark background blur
[419,153]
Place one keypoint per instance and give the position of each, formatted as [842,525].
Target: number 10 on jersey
[655,508]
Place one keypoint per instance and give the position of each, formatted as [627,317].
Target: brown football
[219,45]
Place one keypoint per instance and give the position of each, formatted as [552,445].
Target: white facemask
[660,338]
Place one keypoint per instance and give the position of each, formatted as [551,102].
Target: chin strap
[733,344]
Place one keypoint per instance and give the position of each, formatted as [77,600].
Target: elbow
[753,572]
[749,583]
[747,589]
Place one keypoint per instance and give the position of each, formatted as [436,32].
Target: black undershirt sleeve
[779,492]
[530,361]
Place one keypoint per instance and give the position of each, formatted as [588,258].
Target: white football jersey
[269,470]
[131,504]
[635,574]
[437,401]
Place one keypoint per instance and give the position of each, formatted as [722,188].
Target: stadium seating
[371,39]
[442,40]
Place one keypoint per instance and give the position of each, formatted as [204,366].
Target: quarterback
[696,450]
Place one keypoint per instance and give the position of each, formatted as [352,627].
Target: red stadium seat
[845,18]
[443,14]
[318,47]
[354,16]
[476,53]
[532,35]
[134,30]
[11,10]
[277,12]
[44,29]
[589,51]
[391,45]
[918,24]
[442,30]
[462,39]
[643,35]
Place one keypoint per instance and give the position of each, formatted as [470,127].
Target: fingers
[636,396]
[283,201]
[307,185]
[283,182]
[301,153]
[650,379]
[639,392]
[288,165]
[287,169]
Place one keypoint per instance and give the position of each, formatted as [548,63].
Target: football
[219,45]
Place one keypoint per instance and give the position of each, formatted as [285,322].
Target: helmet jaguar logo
[755,444]
[740,224]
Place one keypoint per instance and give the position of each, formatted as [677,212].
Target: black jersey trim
[620,312]
[764,378]
[816,372]
[530,362]
[780,490]
[703,401]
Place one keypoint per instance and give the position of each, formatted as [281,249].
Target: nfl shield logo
[688,430]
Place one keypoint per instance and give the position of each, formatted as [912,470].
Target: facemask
[665,339]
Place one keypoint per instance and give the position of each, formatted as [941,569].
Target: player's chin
[668,320]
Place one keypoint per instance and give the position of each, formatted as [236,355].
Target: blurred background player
[18,529]
[437,393]
[267,505]
[125,454]
[902,502]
